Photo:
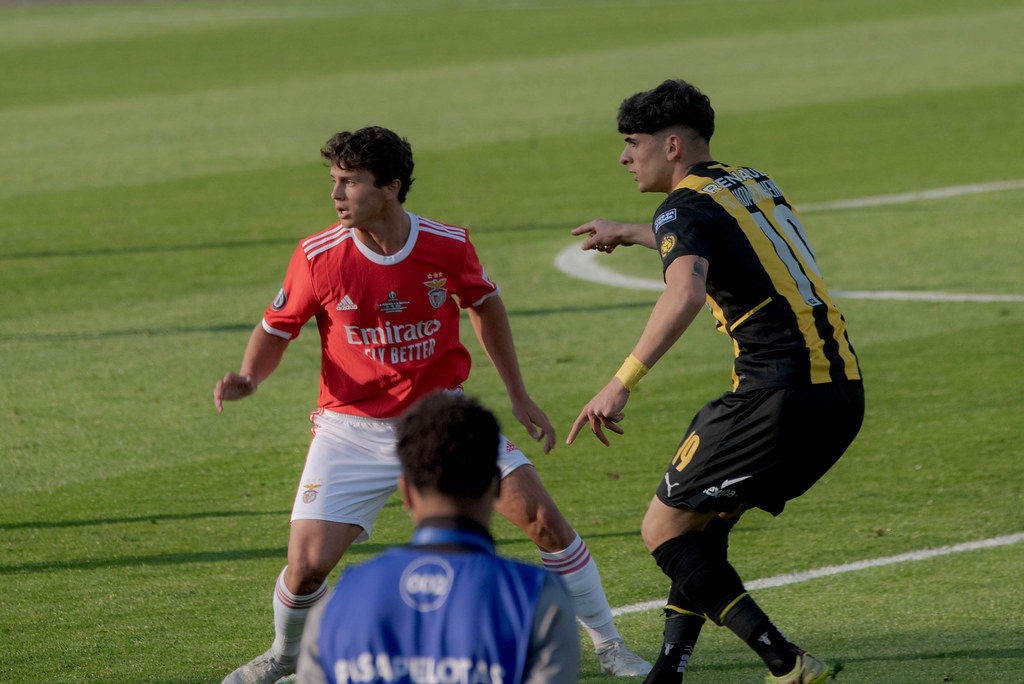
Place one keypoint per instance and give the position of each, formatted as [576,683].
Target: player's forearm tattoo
[699,269]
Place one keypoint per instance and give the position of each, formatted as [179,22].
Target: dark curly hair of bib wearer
[449,444]
[379,150]
[673,103]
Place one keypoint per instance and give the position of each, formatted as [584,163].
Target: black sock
[749,622]
[696,563]
[682,627]
[718,530]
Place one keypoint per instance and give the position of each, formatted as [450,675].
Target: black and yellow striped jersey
[764,286]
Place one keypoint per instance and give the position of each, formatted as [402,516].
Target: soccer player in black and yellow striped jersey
[729,239]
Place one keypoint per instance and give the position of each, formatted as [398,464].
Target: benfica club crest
[437,293]
[309,496]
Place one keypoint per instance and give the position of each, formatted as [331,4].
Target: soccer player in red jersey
[385,287]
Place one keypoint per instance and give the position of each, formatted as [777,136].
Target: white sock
[579,572]
[290,613]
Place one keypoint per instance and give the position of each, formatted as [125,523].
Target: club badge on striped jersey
[667,243]
[437,293]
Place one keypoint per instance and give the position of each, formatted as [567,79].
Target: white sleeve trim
[274,331]
[497,290]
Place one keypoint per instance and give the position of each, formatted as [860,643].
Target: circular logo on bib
[426,582]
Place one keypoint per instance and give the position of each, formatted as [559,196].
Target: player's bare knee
[647,532]
[662,523]
[550,530]
[304,576]
[527,504]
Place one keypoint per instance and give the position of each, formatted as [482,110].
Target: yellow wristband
[631,371]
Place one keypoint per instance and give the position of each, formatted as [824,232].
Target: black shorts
[762,448]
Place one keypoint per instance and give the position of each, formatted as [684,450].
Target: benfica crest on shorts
[309,496]
[437,293]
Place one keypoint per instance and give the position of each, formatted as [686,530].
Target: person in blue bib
[445,608]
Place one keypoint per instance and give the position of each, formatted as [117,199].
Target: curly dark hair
[673,103]
[449,444]
[381,151]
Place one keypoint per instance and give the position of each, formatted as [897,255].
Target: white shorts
[352,469]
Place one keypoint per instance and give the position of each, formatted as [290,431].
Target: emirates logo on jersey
[437,293]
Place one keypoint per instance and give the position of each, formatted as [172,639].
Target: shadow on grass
[288,241]
[961,654]
[588,308]
[225,556]
[220,556]
[62,335]
[848,665]
[626,534]
[147,249]
[59,524]
[161,559]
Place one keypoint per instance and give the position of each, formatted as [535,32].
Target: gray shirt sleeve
[554,656]
[308,669]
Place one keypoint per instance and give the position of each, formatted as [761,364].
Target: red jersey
[389,327]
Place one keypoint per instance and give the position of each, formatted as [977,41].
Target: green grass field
[160,160]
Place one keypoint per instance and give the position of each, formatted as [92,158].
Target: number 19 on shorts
[686,450]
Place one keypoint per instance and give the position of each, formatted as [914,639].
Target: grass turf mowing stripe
[582,265]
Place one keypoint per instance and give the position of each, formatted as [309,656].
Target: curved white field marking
[583,265]
[575,262]
[830,570]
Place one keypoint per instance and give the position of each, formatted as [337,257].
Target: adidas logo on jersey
[346,304]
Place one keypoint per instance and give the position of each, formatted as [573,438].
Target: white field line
[583,265]
[904,197]
[831,570]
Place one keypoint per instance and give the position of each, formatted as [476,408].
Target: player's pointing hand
[602,235]
[603,411]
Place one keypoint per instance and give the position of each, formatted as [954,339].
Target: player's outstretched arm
[678,305]
[262,354]
[490,323]
[604,235]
